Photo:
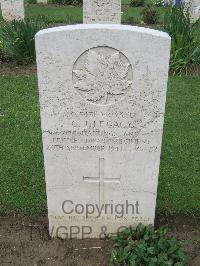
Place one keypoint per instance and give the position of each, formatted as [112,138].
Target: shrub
[131,20]
[68,2]
[159,3]
[145,247]
[150,15]
[30,2]
[185,48]
[1,52]
[17,38]
[137,3]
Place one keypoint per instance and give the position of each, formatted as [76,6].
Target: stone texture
[195,10]
[45,2]
[102,97]
[12,9]
[101,11]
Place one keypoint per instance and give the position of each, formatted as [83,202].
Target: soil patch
[193,70]
[13,69]
[25,241]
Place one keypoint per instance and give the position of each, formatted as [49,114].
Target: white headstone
[45,2]
[102,96]
[101,11]
[12,9]
[195,10]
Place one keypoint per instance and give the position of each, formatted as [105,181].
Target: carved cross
[101,180]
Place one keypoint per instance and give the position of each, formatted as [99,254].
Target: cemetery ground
[64,14]
[23,212]
[22,191]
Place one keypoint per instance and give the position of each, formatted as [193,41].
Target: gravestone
[102,94]
[192,5]
[195,10]
[12,9]
[45,2]
[101,11]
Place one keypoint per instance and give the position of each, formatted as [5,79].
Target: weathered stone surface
[101,11]
[195,10]
[12,9]
[102,96]
[45,2]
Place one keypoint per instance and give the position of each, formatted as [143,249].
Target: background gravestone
[102,98]
[195,10]
[192,5]
[12,9]
[45,2]
[101,11]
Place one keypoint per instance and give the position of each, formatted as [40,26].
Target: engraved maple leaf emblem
[101,3]
[102,76]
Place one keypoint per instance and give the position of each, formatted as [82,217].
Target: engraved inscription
[102,2]
[102,11]
[102,75]
[101,180]
[12,9]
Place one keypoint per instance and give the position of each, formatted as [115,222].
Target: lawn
[70,15]
[64,14]
[55,14]
[22,174]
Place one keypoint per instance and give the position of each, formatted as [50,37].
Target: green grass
[22,175]
[21,171]
[72,15]
[55,14]
[179,180]
[125,2]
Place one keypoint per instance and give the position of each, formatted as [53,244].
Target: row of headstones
[14,9]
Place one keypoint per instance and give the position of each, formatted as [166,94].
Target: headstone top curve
[104,26]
